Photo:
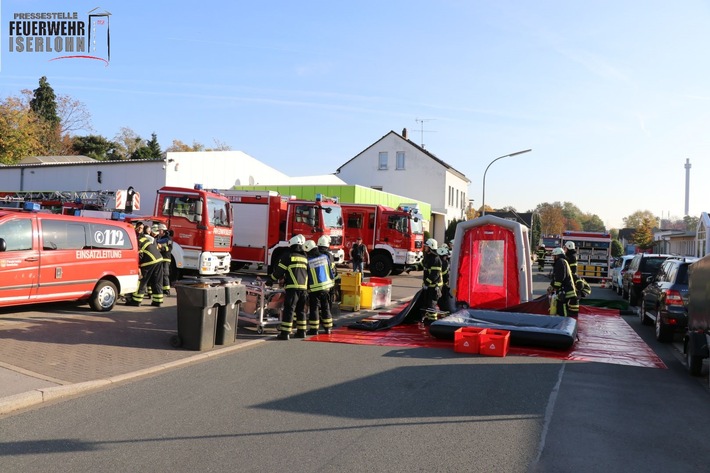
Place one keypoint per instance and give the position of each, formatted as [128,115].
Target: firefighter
[540,258]
[151,266]
[445,299]
[293,269]
[432,281]
[320,281]
[324,247]
[165,245]
[562,284]
[571,256]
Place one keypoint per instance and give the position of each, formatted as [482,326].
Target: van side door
[19,262]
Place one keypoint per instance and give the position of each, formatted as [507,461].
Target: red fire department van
[47,257]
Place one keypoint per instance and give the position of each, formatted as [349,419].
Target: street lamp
[483,206]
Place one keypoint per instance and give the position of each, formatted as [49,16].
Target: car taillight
[673,297]
[636,279]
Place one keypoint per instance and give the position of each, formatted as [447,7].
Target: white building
[397,165]
[212,169]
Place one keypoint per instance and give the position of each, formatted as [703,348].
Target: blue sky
[612,96]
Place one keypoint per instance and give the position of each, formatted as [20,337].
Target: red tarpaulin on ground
[604,337]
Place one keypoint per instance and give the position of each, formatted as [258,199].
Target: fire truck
[550,242]
[593,253]
[264,221]
[200,222]
[101,204]
[394,237]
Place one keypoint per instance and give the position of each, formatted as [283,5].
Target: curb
[38,396]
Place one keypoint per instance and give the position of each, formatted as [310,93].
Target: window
[400,159]
[382,165]
[17,234]
[354,220]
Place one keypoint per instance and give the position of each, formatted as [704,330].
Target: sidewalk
[55,350]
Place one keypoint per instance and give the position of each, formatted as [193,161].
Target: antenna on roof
[421,123]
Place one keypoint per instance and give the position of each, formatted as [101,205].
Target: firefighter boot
[300,333]
[312,331]
[283,335]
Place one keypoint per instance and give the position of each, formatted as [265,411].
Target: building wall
[423,178]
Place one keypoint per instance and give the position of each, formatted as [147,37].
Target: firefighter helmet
[154,228]
[442,251]
[309,245]
[324,241]
[558,252]
[431,243]
[163,227]
[569,245]
[297,240]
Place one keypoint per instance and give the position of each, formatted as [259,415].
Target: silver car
[617,271]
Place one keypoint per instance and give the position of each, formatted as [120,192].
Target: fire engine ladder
[97,198]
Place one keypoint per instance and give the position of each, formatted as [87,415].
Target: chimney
[404,133]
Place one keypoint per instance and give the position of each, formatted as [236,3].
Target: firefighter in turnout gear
[151,265]
[571,256]
[165,245]
[293,269]
[432,282]
[562,285]
[445,299]
[540,253]
[324,247]
[320,281]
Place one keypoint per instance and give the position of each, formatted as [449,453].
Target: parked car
[665,299]
[617,271]
[642,268]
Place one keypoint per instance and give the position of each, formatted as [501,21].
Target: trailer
[697,336]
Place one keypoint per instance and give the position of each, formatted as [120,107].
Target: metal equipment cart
[263,306]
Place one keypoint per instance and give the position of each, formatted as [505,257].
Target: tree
[691,223]
[93,146]
[19,131]
[635,219]
[616,248]
[44,103]
[552,220]
[180,146]
[450,231]
[154,147]
[592,223]
[73,115]
[643,236]
[127,142]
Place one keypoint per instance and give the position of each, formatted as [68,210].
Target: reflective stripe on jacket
[293,268]
[320,276]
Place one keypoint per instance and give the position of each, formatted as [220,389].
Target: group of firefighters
[565,285]
[154,254]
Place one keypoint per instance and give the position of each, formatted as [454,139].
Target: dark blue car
[665,299]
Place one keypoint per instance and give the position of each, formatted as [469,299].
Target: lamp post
[483,206]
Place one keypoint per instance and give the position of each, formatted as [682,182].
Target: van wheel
[104,296]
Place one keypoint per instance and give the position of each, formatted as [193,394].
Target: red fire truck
[394,237]
[201,226]
[264,221]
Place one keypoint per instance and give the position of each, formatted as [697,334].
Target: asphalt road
[309,406]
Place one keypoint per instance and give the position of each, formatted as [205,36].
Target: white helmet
[324,241]
[431,243]
[569,245]
[557,252]
[442,251]
[309,245]
[297,240]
